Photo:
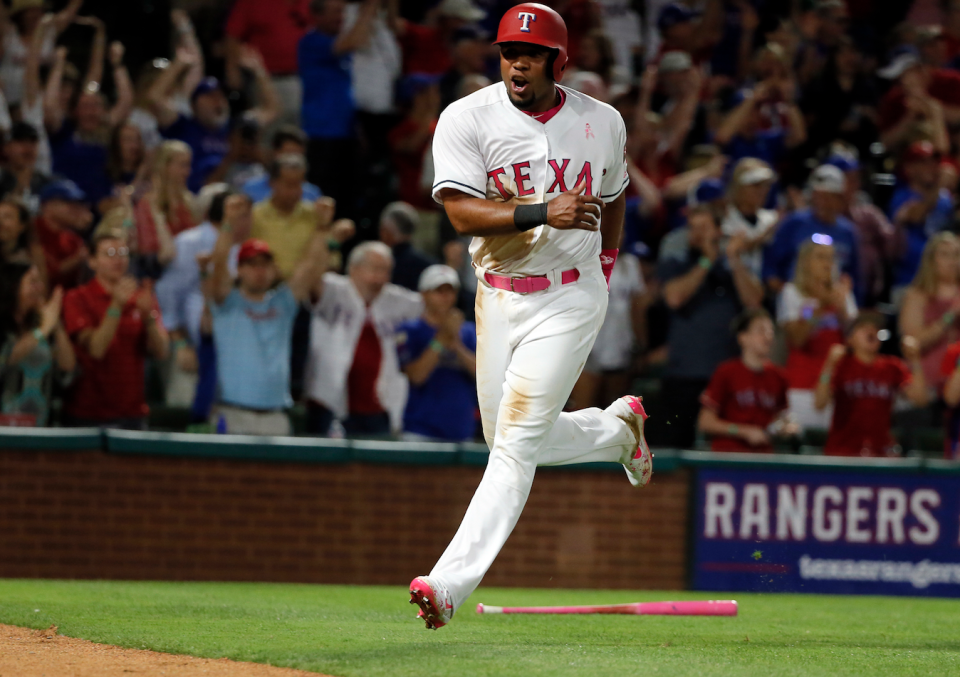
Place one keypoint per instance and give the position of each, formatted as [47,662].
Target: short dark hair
[877,319]
[215,210]
[742,322]
[286,161]
[286,133]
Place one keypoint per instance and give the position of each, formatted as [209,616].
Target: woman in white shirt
[18,26]
[813,311]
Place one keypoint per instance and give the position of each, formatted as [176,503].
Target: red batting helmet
[538,25]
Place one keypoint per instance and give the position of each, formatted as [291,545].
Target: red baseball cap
[252,248]
[919,150]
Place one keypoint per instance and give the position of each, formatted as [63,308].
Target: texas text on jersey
[510,156]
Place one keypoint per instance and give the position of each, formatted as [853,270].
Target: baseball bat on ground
[714,607]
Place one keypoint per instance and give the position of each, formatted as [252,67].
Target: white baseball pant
[530,352]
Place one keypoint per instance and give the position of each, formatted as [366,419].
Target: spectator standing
[179,289]
[286,140]
[438,354]
[469,55]
[166,210]
[17,242]
[79,143]
[375,69]
[427,47]
[63,216]
[398,222]
[353,373]
[597,56]
[20,26]
[246,158]
[207,130]
[765,123]
[744,405]
[812,310]
[285,220]
[841,103]
[705,289]
[253,325]
[824,218]
[324,63]
[920,208]
[921,93]
[749,187]
[411,138]
[656,142]
[273,29]
[36,350]
[950,375]
[19,178]
[32,109]
[878,238]
[127,158]
[621,22]
[931,304]
[686,30]
[188,52]
[863,386]
[115,325]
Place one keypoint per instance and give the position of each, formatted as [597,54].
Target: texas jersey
[487,148]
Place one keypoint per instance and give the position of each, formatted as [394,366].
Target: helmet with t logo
[538,25]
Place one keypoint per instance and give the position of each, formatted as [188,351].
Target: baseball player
[535,172]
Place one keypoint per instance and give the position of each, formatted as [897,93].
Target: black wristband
[528,217]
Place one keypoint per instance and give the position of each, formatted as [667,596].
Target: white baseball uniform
[530,348]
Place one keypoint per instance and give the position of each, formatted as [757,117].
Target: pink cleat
[433,600]
[638,464]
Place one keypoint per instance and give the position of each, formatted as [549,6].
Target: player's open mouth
[518,85]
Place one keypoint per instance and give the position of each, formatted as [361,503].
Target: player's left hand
[573,210]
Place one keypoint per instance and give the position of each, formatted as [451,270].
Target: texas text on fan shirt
[514,156]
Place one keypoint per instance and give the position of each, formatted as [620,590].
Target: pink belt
[527,285]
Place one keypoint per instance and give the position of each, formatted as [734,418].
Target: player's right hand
[574,210]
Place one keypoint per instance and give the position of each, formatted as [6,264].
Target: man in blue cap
[207,130]
[827,186]
[64,214]
[710,193]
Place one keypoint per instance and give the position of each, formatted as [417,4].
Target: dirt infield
[44,653]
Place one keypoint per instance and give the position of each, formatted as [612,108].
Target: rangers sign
[827,532]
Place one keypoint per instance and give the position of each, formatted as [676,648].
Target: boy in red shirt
[744,403]
[114,324]
[864,385]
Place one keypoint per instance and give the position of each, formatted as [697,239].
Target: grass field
[370,632]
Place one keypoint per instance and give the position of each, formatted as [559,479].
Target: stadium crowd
[237,219]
